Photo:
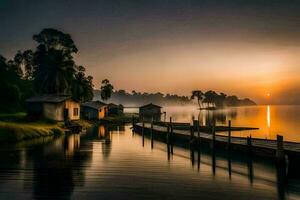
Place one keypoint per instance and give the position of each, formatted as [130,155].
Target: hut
[54,107]
[94,110]
[114,109]
[149,111]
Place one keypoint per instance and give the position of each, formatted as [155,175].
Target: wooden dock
[271,149]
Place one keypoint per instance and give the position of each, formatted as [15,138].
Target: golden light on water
[268,116]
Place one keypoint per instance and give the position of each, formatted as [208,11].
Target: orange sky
[248,69]
[247,48]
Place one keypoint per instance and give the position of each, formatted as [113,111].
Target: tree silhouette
[106,89]
[24,61]
[199,95]
[53,59]
[82,88]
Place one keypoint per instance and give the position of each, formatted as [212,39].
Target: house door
[66,114]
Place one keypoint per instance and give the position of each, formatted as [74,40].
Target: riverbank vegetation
[48,69]
[18,130]
[17,127]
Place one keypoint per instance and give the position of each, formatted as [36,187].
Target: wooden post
[192,129]
[193,120]
[198,128]
[192,133]
[152,133]
[171,135]
[250,164]
[213,144]
[280,148]
[249,144]
[143,129]
[213,132]
[168,138]
[229,134]
[132,120]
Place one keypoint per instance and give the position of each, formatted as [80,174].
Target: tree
[24,61]
[9,86]
[106,90]
[82,89]
[54,68]
[199,95]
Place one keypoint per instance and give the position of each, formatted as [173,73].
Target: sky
[248,48]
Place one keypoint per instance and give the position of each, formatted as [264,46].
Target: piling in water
[172,136]
[132,120]
[280,148]
[168,135]
[229,135]
[249,144]
[152,133]
[143,131]
[213,133]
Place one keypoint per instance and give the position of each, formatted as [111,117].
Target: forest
[135,98]
[48,69]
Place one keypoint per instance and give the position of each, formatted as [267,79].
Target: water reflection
[54,167]
[268,116]
[108,162]
[271,120]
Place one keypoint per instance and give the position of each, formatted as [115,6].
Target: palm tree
[199,95]
[54,67]
[54,72]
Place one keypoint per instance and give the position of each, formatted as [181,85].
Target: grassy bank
[18,131]
[15,127]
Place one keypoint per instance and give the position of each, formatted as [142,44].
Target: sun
[268,94]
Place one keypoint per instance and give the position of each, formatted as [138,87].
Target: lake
[271,120]
[109,162]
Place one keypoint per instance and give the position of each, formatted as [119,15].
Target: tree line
[204,99]
[135,98]
[211,99]
[48,69]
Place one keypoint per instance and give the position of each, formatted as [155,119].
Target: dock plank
[262,143]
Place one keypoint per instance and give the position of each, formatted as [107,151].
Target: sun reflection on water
[268,116]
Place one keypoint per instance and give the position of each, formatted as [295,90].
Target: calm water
[111,163]
[271,120]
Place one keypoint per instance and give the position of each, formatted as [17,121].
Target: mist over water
[271,120]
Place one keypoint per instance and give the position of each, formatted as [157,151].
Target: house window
[75,112]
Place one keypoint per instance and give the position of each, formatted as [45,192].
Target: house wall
[102,112]
[148,113]
[92,113]
[54,111]
[115,111]
[89,113]
[71,105]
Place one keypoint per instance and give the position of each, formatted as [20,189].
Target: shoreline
[16,127]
